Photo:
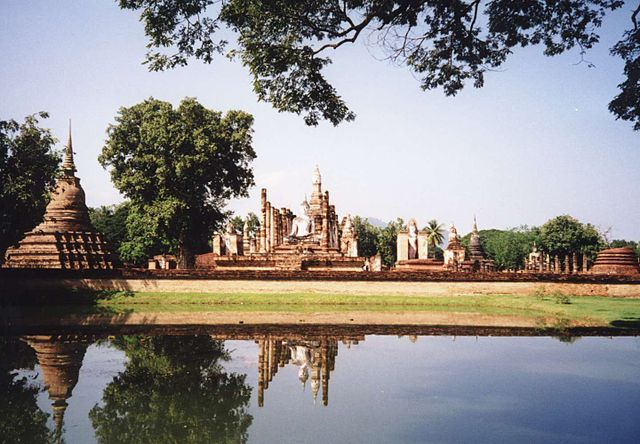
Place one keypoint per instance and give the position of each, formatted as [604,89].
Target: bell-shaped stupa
[66,238]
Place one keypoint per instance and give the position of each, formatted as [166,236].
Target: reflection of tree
[20,418]
[173,389]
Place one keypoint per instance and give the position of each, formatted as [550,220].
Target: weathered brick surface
[282,275]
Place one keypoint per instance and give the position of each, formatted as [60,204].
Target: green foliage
[28,166]
[387,242]
[446,44]
[111,221]
[367,236]
[21,420]
[566,235]
[173,389]
[435,232]
[253,222]
[178,167]
[507,248]
[238,223]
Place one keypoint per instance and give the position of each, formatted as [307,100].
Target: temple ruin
[413,252]
[617,261]
[65,239]
[313,239]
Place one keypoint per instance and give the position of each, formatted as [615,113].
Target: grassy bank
[548,309]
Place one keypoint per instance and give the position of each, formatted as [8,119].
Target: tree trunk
[186,259]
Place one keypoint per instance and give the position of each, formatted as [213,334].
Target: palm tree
[435,235]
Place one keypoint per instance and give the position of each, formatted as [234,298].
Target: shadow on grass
[627,323]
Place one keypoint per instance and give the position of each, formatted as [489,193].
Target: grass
[581,310]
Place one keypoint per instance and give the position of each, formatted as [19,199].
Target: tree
[507,248]
[286,44]
[435,235]
[21,420]
[28,167]
[252,220]
[173,389]
[178,167]
[367,236]
[111,221]
[387,242]
[566,235]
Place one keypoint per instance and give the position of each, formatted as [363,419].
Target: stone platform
[419,265]
[279,262]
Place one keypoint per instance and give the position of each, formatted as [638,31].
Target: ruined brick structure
[310,240]
[616,261]
[66,238]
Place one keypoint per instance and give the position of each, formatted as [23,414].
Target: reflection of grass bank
[548,310]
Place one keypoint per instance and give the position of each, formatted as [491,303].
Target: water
[266,387]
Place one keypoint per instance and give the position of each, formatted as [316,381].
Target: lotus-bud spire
[68,166]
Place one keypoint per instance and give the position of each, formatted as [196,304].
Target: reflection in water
[179,388]
[315,357]
[173,389]
[60,359]
[21,421]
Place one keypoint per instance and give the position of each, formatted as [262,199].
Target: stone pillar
[324,239]
[283,224]
[423,245]
[325,375]
[402,245]
[263,221]
[574,261]
[585,264]
[268,228]
[261,347]
[556,264]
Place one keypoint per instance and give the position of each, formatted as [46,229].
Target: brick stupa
[616,261]
[65,239]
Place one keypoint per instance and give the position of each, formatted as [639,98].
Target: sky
[536,142]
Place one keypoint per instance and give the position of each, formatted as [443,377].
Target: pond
[304,386]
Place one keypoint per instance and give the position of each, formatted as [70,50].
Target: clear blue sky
[537,141]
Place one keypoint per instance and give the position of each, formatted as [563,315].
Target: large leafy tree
[173,389]
[286,44]
[178,167]
[28,166]
[566,235]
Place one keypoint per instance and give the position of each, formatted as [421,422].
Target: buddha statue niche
[302,225]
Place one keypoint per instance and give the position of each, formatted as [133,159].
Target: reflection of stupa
[65,238]
[315,359]
[60,360]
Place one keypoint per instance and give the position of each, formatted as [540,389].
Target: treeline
[507,248]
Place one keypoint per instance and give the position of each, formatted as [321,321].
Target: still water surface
[320,389]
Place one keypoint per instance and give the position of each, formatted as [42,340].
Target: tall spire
[68,166]
[475,224]
[317,179]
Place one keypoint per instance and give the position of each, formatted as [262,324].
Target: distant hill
[376,222]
